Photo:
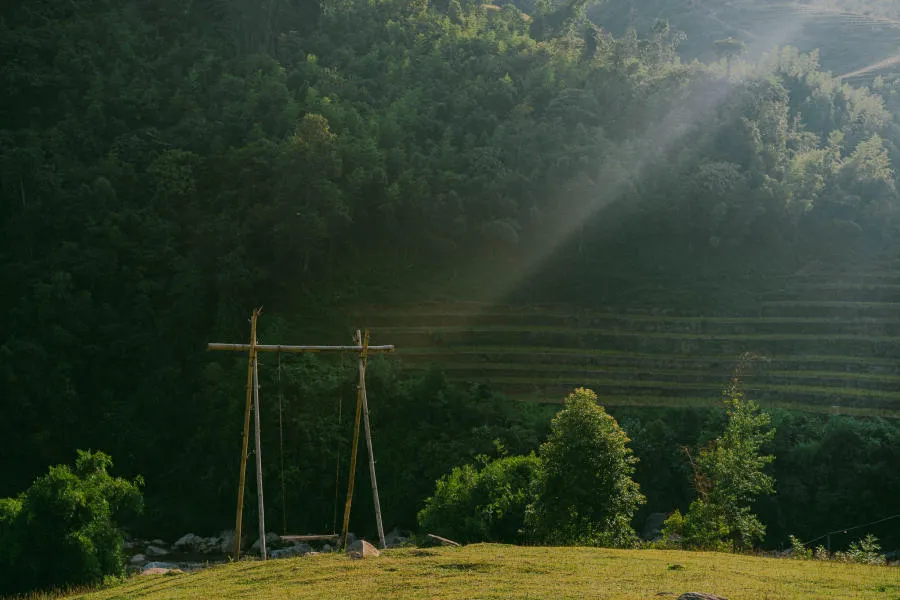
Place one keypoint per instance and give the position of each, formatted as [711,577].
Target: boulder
[271,539]
[362,549]
[226,541]
[699,596]
[159,565]
[327,548]
[395,540]
[138,559]
[156,551]
[189,542]
[295,550]
[158,542]
[653,526]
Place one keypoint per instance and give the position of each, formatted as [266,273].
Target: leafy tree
[483,503]
[65,529]
[585,493]
[728,476]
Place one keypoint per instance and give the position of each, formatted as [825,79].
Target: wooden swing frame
[362,348]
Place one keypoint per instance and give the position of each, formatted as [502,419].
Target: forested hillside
[167,166]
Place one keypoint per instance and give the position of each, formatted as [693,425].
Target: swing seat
[310,538]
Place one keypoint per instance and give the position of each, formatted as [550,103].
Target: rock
[159,565]
[138,559]
[156,551]
[226,541]
[162,571]
[395,540]
[128,544]
[699,596]
[295,550]
[158,542]
[351,537]
[653,526]
[271,539]
[362,549]
[188,542]
[327,548]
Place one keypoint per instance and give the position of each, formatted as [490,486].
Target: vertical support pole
[353,453]
[245,441]
[259,482]
[365,407]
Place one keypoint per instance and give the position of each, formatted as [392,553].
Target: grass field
[495,571]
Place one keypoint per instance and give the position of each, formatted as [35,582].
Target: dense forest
[165,167]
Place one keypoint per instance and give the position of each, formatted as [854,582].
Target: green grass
[495,571]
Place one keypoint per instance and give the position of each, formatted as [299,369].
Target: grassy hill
[826,339]
[493,571]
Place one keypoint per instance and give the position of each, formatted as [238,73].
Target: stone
[362,549]
[653,526]
[271,539]
[188,542]
[138,559]
[327,548]
[295,550]
[395,540]
[226,541]
[158,542]
[159,565]
[699,596]
[156,551]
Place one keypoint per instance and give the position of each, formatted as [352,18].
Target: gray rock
[351,537]
[158,542]
[188,542]
[156,551]
[362,549]
[395,540]
[327,548]
[226,541]
[159,565]
[271,539]
[138,559]
[295,550]
[699,596]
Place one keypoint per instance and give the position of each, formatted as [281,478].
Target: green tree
[728,476]
[585,493]
[65,529]
[485,504]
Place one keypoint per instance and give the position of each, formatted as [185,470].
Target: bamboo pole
[245,441]
[365,407]
[353,452]
[259,481]
[296,349]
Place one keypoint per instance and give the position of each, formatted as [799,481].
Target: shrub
[800,551]
[866,551]
[585,493]
[63,530]
[482,504]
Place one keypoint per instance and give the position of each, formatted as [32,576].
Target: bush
[866,551]
[487,504]
[585,494]
[63,530]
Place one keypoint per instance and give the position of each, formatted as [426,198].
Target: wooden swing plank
[310,538]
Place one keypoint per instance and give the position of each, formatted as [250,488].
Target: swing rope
[337,463]
[281,448]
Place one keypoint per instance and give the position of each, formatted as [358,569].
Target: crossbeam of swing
[296,349]
[363,348]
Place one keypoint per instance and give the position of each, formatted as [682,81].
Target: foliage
[799,551]
[65,529]
[866,551]
[482,503]
[728,476]
[585,493]
[312,157]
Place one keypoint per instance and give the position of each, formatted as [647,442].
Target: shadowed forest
[523,198]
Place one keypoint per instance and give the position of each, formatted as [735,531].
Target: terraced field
[822,342]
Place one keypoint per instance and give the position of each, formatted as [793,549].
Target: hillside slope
[492,571]
[823,339]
